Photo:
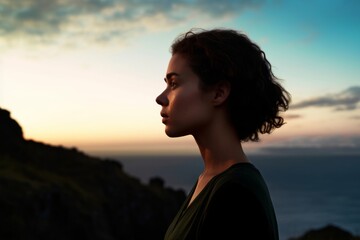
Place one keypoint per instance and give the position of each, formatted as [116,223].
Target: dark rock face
[52,192]
[329,232]
[11,134]
[9,128]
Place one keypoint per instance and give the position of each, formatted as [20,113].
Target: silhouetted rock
[52,192]
[9,128]
[157,182]
[11,134]
[329,232]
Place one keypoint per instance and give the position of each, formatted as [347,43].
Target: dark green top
[235,204]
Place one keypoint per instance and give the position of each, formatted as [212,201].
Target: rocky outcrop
[53,192]
[329,232]
[11,134]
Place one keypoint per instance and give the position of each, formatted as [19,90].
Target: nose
[162,99]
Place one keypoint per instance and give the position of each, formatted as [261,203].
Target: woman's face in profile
[185,107]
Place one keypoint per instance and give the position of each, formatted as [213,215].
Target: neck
[220,148]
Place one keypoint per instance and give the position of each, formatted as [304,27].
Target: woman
[221,90]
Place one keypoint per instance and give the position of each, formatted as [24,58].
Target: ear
[221,93]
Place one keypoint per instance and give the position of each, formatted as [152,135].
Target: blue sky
[86,73]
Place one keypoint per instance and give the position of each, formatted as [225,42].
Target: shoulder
[242,176]
[234,210]
[237,206]
[239,188]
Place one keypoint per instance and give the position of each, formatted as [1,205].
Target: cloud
[306,151]
[292,116]
[343,145]
[102,20]
[348,99]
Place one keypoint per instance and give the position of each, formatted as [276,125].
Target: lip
[164,117]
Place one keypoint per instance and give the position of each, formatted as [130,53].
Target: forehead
[178,64]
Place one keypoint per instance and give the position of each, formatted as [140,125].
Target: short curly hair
[256,96]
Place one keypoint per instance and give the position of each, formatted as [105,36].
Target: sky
[86,73]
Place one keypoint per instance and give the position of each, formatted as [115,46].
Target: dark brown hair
[256,96]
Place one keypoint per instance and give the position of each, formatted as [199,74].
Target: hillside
[328,232]
[52,192]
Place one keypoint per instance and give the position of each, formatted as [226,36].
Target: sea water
[308,192]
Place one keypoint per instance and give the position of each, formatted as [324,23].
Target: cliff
[52,192]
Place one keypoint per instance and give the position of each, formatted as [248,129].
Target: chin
[174,134]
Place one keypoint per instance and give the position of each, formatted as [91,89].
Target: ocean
[308,192]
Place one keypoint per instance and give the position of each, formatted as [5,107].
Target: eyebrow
[169,75]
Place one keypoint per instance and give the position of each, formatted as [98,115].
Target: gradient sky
[86,73]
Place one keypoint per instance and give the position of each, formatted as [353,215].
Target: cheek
[189,106]
[184,101]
